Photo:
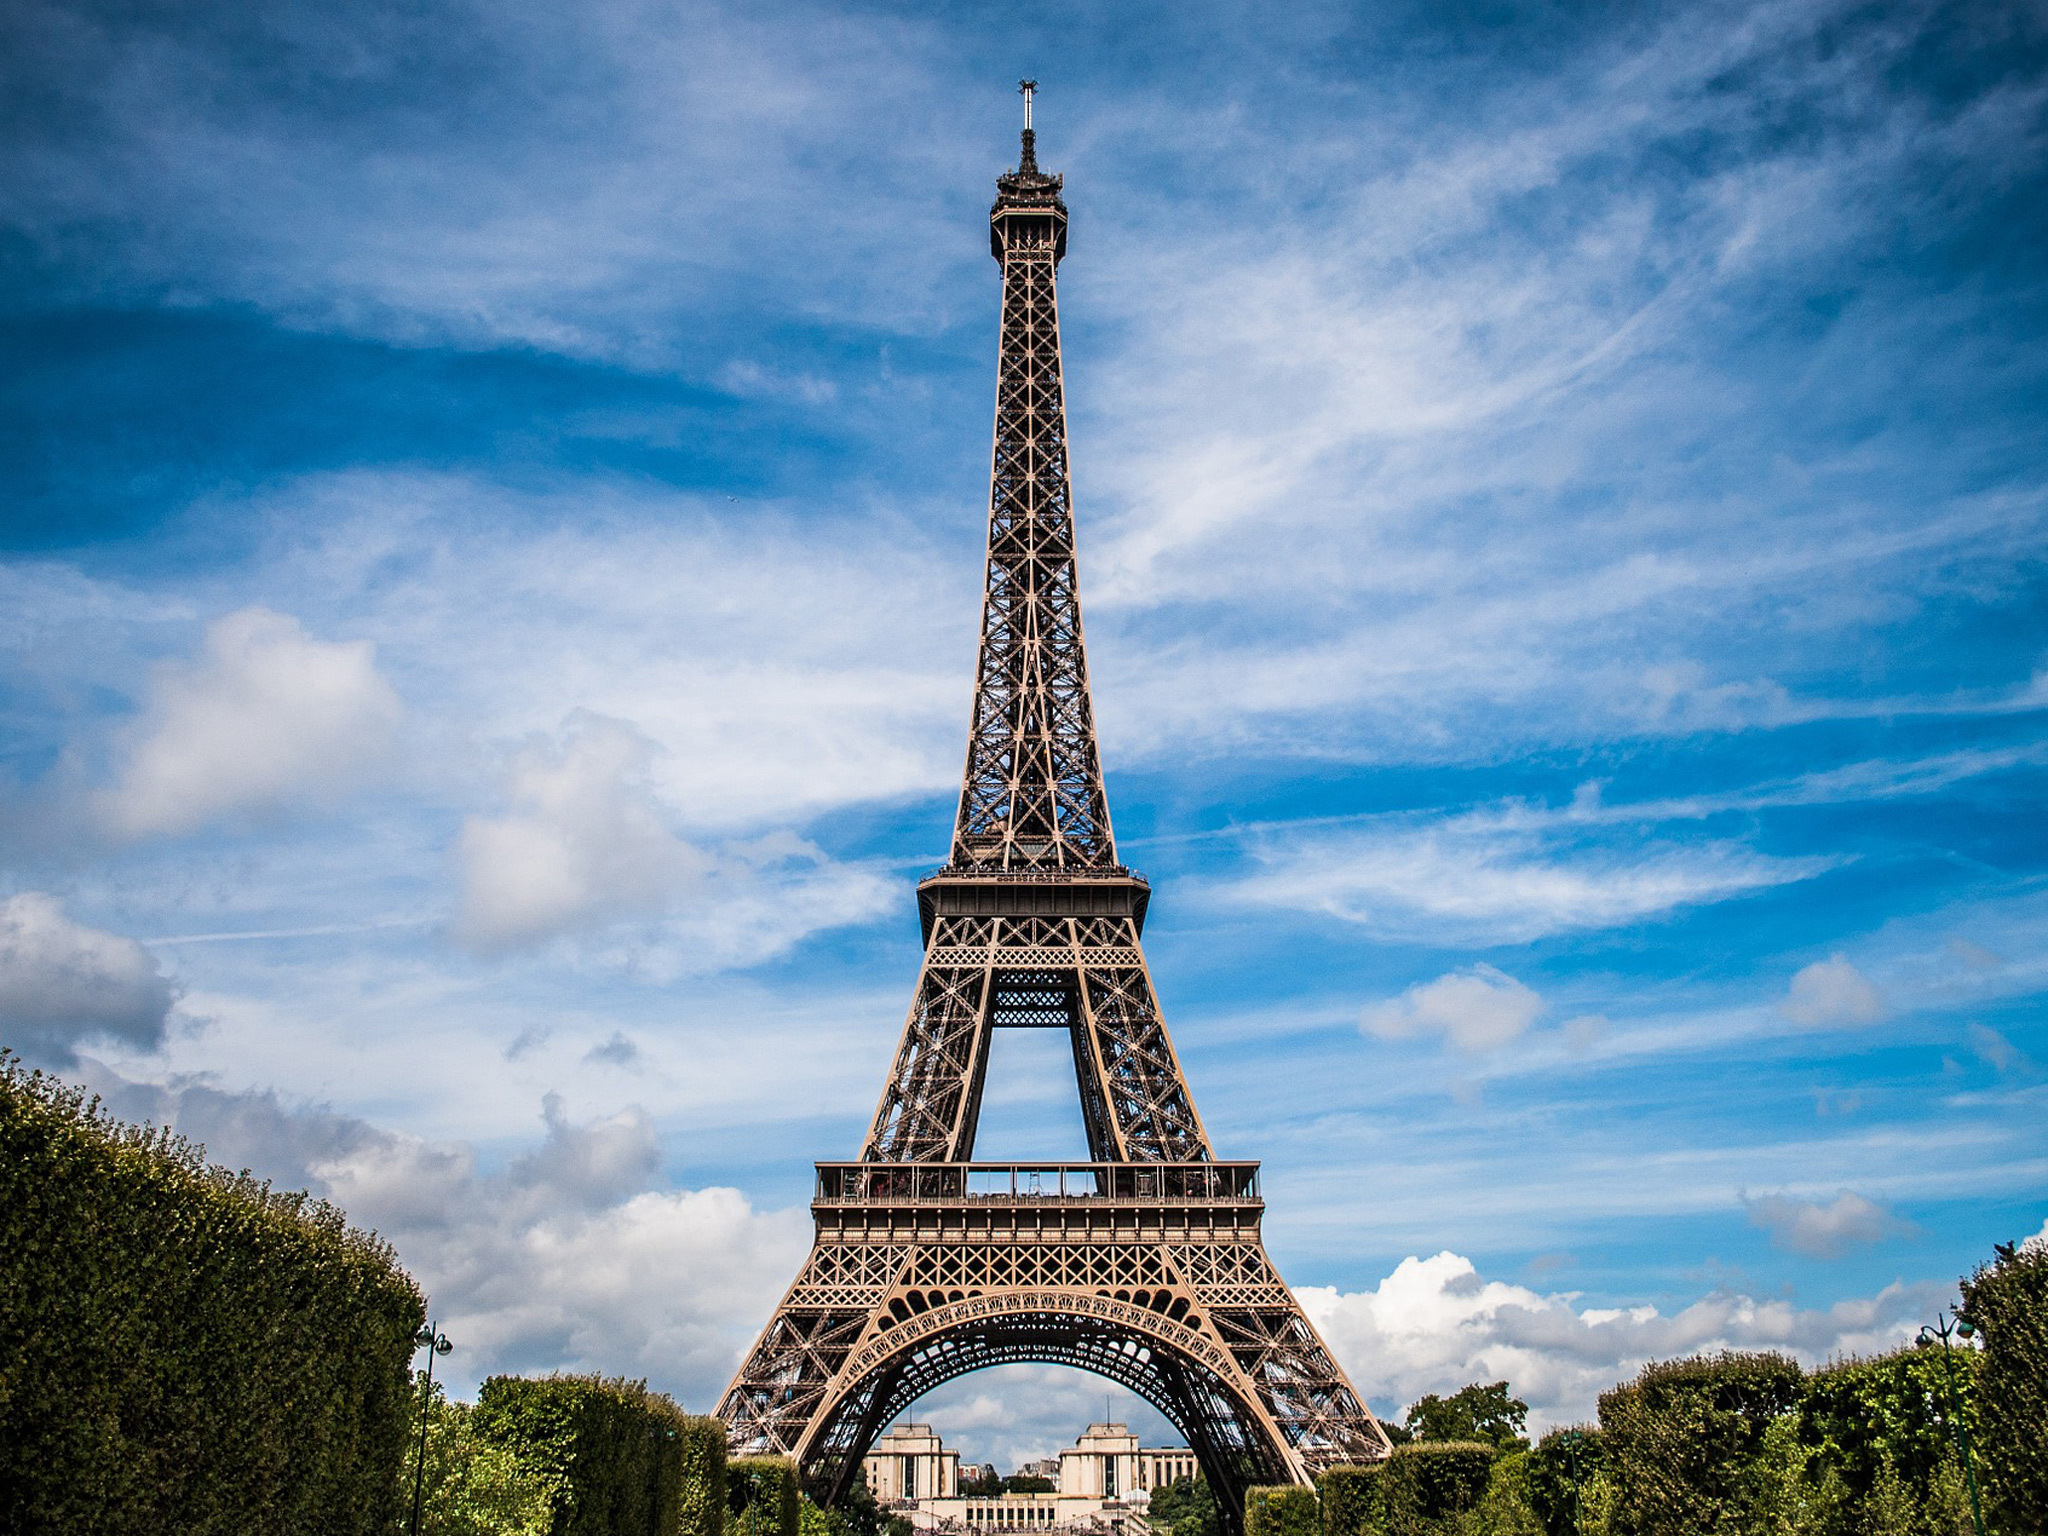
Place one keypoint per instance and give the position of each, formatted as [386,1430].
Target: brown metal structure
[1143,1265]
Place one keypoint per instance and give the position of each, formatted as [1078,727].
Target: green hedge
[1283,1509]
[1683,1434]
[183,1348]
[1351,1499]
[1429,1484]
[621,1454]
[2007,1302]
[700,1505]
[771,1487]
[1562,1470]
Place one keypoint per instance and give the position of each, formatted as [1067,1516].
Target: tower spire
[1028,161]
[1032,797]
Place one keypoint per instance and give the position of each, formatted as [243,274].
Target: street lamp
[1949,1325]
[434,1342]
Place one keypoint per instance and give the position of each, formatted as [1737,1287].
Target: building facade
[1103,1483]
[910,1465]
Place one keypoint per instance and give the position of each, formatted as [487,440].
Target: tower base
[1152,1275]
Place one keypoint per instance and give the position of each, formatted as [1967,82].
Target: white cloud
[268,716]
[1831,992]
[1476,1010]
[586,842]
[1823,1229]
[63,984]
[577,1257]
[1494,878]
[1436,1324]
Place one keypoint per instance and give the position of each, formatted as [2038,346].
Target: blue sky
[492,502]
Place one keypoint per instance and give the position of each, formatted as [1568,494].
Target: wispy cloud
[1487,879]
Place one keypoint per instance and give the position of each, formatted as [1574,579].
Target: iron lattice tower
[1145,1264]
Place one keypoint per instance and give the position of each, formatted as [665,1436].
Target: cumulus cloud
[1823,1229]
[63,984]
[585,841]
[266,717]
[1474,1010]
[1436,1323]
[1830,992]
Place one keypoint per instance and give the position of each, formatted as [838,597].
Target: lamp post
[434,1342]
[1948,1325]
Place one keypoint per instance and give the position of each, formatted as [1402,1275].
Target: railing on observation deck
[1032,876]
[952,1183]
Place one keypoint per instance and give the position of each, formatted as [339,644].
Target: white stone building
[1104,1483]
[909,1465]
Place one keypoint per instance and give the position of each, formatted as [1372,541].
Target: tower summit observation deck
[1145,1263]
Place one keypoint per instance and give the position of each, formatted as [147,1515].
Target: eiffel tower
[1143,1265]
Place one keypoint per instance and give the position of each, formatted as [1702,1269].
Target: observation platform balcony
[989,1185]
[967,890]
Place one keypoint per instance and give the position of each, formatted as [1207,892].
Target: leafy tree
[1480,1412]
[1185,1507]
[2007,1302]
[1562,1470]
[472,1486]
[981,1483]
[857,1512]
[1506,1508]
[1682,1436]
[1027,1482]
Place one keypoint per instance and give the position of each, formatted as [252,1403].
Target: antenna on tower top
[1028,161]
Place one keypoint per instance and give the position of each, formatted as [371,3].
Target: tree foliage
[2006,1301]
[1185,1507]
[1682,1433]
[1481,1412]
[471,1486]
[617,1455]
[1282,1510]
[183,1348]
[1429,1486]
[1352,1500]
[764,1496]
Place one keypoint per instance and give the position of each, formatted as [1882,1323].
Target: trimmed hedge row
[183,1348]
[1681,1434]
[770,1497]
[1425,1486]
[625,1459]
[1282,1510]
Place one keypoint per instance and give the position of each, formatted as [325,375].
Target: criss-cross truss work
[1145,1264]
